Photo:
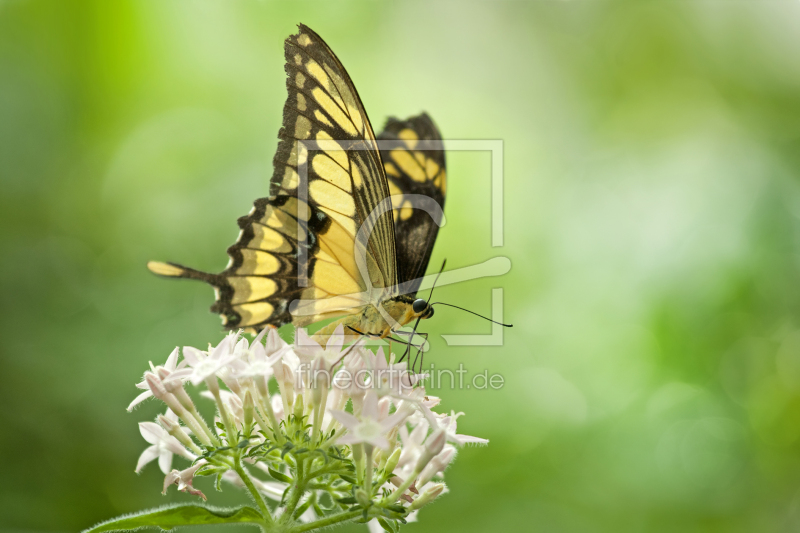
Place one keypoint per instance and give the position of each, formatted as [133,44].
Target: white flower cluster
[337,433]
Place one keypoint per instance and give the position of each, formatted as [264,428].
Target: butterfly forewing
[328,154]
[297,256]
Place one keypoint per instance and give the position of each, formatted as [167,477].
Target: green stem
[297,492]
[319,412]
[231,436]
[391,498]
[253,491]
[358,456]
[327,521]
[368,469]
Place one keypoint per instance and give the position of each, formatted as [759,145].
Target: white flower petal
[152,432]
[139,399]
[336,341]
[172,360]
[193,356]
[346,419]
[165,462]
[370,409]
[149,454]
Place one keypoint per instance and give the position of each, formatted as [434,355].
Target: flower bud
[433,446]
[391,462]
[167,424]
[320,378]
[248,408]
[298,406]
[176,431]
[427,497]
[156,387]
[437,464]
[362,497]
[376,456]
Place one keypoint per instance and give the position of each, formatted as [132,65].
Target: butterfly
[351,220]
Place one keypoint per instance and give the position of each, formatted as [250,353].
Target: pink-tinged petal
[370,408]
[242,345]
[169,479]
[431,401]
[139,399]
[393,420]
[165,462]
[172,360]
[348,439]
[175,446]
[336,341]
[305,346]
[180,375]
[274,341]
[429,416]
[383,408]
[192,355]
[466,439]
[380,359]
[274,358]
[260,336]
[346,419]
[222,349]
[258,352]
[149,454]
[418,434]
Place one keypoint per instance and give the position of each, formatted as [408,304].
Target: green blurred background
[652,205]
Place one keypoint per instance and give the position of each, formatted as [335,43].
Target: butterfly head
[422,309]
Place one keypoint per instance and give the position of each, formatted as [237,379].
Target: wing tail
[174,270]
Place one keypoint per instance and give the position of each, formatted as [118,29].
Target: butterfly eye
[419,305]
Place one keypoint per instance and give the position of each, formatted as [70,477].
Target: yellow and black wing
[296,259]
[413,158]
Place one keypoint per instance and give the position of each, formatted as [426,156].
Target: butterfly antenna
[434,283]
[474,313]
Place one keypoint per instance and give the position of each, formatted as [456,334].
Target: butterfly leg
[420,352]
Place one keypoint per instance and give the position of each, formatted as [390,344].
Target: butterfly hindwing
[414,162]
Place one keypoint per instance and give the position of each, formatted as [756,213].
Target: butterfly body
[351,220]
[372,323]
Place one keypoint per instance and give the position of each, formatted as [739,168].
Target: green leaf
[180,515]
[349,479]
[302,509]
[387,526]
[349,500]
[277,475]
